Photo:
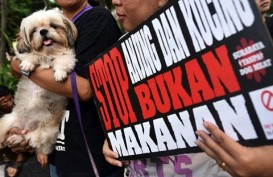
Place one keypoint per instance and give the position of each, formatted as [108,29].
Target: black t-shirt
[269,24]
[97,31]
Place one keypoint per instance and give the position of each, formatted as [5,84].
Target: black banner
[191,61]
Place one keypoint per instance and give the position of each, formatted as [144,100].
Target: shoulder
[100,10]
[97,14]
[96,21]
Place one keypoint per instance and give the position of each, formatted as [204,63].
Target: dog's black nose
[43,32]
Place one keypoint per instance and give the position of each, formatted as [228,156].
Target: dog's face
[45,31]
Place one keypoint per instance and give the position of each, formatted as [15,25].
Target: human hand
[231,156]
[15,68]
[18,146]
[11,171]
[5,103]
[10,56]
[13,168]
[111,156]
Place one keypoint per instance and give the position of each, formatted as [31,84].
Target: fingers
[16,131]
[22,147]
[10,56]
[111,156]
[212,148]
[203,145]
[17,149]
[223,140]
[221,147]
[215,146]
[4,101]
[17,146]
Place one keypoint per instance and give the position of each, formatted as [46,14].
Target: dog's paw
[14,140]
[45,66]
[42,159]
[60,75]
[27,66]
[70,65]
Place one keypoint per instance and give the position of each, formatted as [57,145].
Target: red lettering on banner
[169,82]
[106,62]
[146,102]
[221,71]
[198,83]
[127,115]
[158,88]
[109,79]
[96,81]
[166,91]
[178,92]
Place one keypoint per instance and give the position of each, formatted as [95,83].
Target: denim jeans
[52,169]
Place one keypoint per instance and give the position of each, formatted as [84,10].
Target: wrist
[25,73]
[264,158]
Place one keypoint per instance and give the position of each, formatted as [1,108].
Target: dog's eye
[34,30]
[53,26]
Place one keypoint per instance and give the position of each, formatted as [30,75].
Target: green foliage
[6,78]
[18,9]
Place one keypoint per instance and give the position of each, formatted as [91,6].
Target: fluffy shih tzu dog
[45,40]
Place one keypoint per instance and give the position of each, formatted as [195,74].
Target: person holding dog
[97,30]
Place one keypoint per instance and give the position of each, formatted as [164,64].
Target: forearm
[45,79]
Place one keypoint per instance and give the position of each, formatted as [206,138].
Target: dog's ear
[71,31]
[22,45]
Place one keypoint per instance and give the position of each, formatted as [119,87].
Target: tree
[3,29]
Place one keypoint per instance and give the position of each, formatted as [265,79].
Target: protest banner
[191,61]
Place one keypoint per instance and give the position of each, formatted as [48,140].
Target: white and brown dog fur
[45,40]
